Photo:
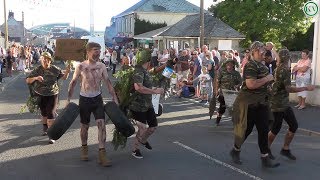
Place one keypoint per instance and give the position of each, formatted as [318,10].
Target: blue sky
[71,11]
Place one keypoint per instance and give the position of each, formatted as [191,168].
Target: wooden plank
[70,49]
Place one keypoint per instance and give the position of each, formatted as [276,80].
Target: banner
[70,49]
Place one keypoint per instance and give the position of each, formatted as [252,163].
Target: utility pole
[91,18]
[6,39]
[201,24]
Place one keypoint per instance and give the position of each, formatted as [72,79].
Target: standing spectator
[164,57]
[9,61]
[251,107]
[183,61]
[303,70]
[270,62]
[154,57]
[245,59]
[196,72]
[114,61]
[204,83]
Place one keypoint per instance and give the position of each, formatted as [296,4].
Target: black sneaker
[147,145]
[235,155]
[288,154]
[271,156]
[137,154]
[218,120]
[269,163]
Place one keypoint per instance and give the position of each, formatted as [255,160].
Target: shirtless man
[91,72]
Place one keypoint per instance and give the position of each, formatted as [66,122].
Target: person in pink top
[303,71]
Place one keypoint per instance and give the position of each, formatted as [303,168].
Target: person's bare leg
[141,130]
[101,133]
[44,125]
[84,133]
[287,140]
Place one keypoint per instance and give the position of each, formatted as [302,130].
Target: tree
[263,20]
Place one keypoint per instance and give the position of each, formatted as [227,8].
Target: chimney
[11,15]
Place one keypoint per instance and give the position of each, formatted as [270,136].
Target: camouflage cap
[284,55]
[256,45]
[47,55]
[143,56]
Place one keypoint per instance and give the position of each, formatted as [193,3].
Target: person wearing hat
[141,106]
[251,107]
[230,79]
[91,73]
[280,105]
[44,82]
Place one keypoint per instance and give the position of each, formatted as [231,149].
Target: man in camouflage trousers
[280,105]
[141,106]
[230,79]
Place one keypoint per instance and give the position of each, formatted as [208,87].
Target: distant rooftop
[170,6]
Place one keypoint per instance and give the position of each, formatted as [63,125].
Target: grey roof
[151,34]
[171,6]
[213,28]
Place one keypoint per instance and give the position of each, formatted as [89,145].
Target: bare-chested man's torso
[91,76]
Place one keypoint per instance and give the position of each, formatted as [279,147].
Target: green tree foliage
[263,20]
[142,26]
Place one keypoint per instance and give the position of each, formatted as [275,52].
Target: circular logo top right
[311,8]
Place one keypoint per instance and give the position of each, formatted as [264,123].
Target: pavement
[7,80]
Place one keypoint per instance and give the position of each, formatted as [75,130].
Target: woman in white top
[303,71]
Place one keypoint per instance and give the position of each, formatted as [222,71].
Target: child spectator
[204,80]
[184,91]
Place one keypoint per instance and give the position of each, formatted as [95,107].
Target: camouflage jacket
[255,70]
[228,80]
[49,86]
[141,102]
[280,96]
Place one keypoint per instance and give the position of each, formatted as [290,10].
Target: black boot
[218,120]
[235,155]
[269,163]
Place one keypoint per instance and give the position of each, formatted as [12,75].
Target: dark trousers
[258,115]
[114,66]
[222,106]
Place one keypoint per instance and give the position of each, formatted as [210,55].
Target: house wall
[193,43]
[125,24]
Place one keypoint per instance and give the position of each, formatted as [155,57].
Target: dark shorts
[90,105]
[48,106]
[288,116]
[148,117]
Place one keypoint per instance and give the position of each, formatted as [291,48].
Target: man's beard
[95,57]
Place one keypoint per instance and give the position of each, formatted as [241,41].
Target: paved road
[186,145]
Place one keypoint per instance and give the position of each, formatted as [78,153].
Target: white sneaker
[51,141]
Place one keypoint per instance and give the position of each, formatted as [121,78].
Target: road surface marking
[217,161]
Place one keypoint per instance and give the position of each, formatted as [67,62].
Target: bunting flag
[33,4]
